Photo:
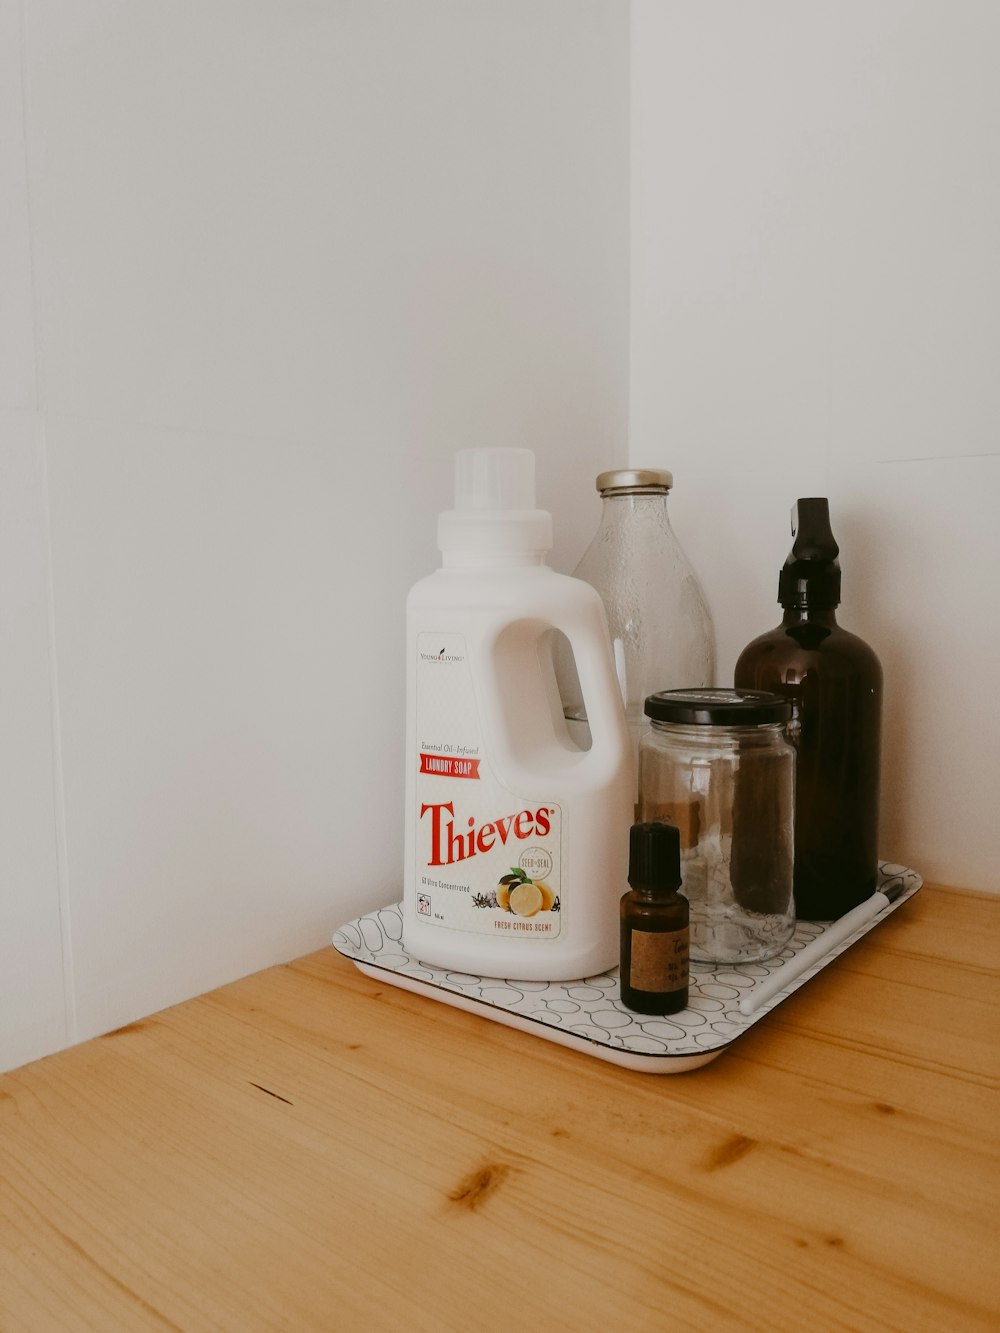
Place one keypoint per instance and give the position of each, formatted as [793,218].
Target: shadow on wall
[872,542]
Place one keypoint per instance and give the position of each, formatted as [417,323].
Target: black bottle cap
[654,860]
[810,577]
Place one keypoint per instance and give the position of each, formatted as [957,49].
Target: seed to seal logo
[536,861]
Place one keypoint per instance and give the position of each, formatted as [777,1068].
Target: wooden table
[309,1149]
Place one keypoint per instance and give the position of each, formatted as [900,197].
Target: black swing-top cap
[810,577]
[654,860]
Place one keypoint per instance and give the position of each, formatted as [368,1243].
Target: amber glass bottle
[654,923]
[833,681]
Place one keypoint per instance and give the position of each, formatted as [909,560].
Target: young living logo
[442,656]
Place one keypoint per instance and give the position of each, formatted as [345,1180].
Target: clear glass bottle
[716,765]
[660,625]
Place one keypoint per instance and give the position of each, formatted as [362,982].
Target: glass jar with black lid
[716,764]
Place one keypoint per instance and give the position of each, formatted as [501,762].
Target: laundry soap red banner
[449,766]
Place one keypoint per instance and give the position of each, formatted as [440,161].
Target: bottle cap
[495,504]
[717,708]
[654,860]
[628,480]
[810,577]
[492,479]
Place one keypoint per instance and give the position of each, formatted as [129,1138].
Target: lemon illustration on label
[526,899]
[522,896]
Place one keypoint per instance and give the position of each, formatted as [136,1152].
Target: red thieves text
[448,846]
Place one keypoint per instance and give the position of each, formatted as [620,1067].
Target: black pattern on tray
[590,1009]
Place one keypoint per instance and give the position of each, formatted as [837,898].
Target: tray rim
[644,1061]
[534,1027]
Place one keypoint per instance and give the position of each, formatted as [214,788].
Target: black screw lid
[717,708]
[810,577]
[654,860]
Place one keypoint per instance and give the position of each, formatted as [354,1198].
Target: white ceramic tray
[588,1015]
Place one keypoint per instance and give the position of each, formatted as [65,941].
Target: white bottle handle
[600,682]
[517,707]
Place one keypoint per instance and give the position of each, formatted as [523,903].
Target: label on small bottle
[659,960]
[486,860]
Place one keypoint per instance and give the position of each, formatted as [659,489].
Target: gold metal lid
[635,479]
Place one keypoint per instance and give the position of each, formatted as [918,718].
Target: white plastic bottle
[516,840]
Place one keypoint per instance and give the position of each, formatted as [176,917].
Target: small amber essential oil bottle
[654,923]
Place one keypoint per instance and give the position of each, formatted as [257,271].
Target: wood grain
[306,1149]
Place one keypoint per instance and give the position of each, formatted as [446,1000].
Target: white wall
[816,310]
[264,265]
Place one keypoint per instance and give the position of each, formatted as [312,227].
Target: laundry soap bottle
[833,681]
[516,840]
